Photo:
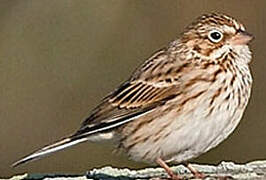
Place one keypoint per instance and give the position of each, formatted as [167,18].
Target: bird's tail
[57,146]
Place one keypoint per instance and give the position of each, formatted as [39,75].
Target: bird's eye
[215,36]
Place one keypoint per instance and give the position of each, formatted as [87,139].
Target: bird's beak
[241,38]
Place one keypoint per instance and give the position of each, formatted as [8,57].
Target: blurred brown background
[59,58]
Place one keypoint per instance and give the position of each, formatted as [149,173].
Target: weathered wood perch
[252,170]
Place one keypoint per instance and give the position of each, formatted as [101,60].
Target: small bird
[181,102]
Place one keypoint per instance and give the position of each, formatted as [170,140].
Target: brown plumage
[181,102]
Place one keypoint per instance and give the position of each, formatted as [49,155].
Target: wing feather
[140,94]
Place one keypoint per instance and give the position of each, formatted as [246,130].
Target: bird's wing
[152,84]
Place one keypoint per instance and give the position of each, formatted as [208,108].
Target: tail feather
[57,146]
[86,132]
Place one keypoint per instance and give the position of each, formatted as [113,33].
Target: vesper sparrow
[181,102]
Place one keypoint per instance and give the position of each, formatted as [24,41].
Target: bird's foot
[169,171]
[195,173]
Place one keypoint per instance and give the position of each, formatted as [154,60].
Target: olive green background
[59,58]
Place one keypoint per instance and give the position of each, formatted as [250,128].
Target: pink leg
[196,173]
[167,169]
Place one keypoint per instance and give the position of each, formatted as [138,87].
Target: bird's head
[214,34]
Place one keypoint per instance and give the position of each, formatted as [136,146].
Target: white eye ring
[215,36]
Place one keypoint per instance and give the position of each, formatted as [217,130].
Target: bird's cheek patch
[204,48]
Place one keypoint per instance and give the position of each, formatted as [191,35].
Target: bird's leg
[195,173]
[167,169]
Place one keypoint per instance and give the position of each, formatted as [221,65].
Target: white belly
[200,133]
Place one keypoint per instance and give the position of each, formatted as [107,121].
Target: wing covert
[146,89]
